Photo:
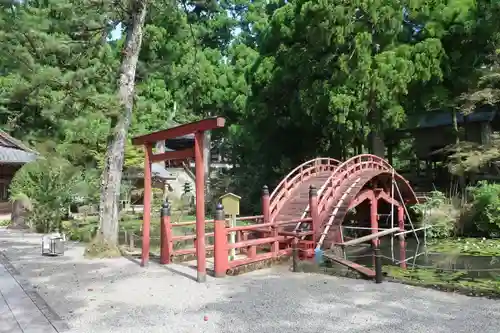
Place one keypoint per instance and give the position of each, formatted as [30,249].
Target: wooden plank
[295,233]
[357,267]
[255,242]
[174,155]
[198,126]
[366,238]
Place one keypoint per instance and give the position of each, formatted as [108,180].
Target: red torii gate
[196,152]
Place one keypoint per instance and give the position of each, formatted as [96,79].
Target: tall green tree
[120,123]
[328,74]
[57,75]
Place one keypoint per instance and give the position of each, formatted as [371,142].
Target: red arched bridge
[307,207]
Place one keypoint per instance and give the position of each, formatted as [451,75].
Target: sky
[116,33]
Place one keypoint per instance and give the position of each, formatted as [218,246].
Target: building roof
[444,118]
[16,156]
[13,151]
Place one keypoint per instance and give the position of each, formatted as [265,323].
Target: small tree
[50,185]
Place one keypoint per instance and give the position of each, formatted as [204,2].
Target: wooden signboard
[231,204]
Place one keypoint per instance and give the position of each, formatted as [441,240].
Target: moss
[100,248]
[446,281]
[466,246]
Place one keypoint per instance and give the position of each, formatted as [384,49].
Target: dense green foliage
[447,217]
[295,79]
[487,208]
[51,185]
[440,214]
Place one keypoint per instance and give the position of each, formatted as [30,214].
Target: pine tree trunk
[112,173]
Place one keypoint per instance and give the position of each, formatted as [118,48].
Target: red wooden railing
[346,170]
[356,172]
[192,250]
[269,232]
[298,175]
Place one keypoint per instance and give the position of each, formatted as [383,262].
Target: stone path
[18,313]
[21,309]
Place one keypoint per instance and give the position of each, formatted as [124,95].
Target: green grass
[466,246]
[4,223]
[446,281]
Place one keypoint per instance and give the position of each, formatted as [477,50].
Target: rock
[20,209]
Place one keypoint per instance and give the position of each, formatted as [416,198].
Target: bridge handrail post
[313,210]
[378,263]
[267,219]
[166,245]
[221,258]
[295,254]
[266,203]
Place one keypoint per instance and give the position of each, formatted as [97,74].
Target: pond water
[418,257]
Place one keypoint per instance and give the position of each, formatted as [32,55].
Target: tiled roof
[445,119]
[12,155]
[440,118]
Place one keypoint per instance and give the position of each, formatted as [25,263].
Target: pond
[487,267]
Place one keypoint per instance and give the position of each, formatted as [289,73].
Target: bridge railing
[346,170]
[259,240]
[174,239]
[301,173]
[253,242]
[269,244]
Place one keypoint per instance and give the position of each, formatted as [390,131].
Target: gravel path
[118,296]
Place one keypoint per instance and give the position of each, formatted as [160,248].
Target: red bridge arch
[341,187]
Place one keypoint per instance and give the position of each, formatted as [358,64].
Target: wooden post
[200,208]
[374,222]
[147,205]
[295,255]
[252,251]
[313,210]
[221,262]
[275,246]
[265,204]
[402,243]
[131,240]
[244,237]
[378,264]
[232,236]
[374,218]
[165,234]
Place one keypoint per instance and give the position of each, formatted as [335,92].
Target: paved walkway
[18,311]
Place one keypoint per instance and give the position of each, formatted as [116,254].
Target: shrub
[486,207]
[439,212]
[50,184]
